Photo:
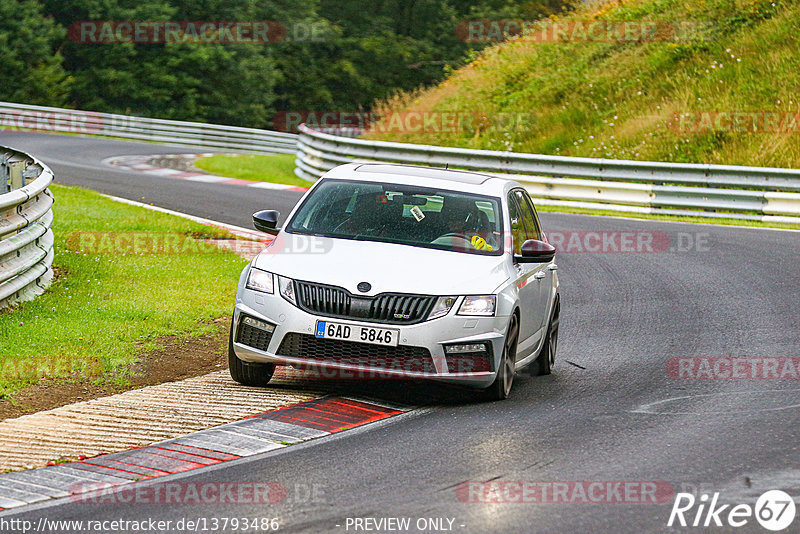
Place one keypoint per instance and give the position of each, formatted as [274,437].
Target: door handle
[553,267]
[539,275]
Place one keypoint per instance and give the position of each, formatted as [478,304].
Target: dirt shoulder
[178,359]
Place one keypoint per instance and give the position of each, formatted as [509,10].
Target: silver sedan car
[385,271]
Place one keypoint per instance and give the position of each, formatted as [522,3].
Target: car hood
[388,268]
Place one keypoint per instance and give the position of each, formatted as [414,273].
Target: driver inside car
[372,215]
[466,219]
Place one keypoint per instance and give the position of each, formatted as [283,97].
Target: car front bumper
[430,336]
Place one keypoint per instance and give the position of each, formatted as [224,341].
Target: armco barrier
[194,134]
[729,191]
[26,240]
[749,193]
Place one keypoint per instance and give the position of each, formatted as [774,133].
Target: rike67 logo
[774,510]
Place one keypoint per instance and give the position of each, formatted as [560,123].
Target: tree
[200,81]
[359,53]
[30,69]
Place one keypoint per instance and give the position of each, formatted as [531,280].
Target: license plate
[361,334]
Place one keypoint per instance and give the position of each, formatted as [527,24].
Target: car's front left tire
[501,387]
[543,365]
[247,373]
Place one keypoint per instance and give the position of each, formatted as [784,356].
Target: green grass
[278,169]
[105,309]
[619,99]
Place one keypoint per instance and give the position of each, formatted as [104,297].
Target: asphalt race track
[614,413]
[78,161]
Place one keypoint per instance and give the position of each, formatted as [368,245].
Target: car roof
[424,176]
[425,172]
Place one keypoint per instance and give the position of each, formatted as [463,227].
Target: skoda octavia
[401,271]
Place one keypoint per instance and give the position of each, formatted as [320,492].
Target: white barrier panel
[194,134]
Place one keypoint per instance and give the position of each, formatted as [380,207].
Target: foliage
[624,99]
[30,67]
[336,55]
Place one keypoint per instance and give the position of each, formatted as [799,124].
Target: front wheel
[246,373]
[501,387]
[543,365]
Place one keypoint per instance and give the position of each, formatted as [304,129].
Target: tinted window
[518,233]
[403,214]
[528,215]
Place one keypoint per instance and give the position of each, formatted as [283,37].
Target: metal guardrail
[754,193]
[168,132]
[748,193]
[26,239]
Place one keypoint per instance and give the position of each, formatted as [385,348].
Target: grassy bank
[278,169]
[127,277]
[626,99]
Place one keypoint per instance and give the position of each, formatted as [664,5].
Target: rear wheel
[543,365]
[246,373]
[501,387]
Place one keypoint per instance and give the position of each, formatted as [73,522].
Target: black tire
[543,365]
[246,373]
[501,387]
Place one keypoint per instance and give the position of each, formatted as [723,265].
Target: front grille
[253,337]
[400,358]
[391,308]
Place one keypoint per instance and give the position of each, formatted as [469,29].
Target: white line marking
[237,230]
[207,178]
[269,185]
[648,407]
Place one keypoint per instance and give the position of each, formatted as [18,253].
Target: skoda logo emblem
[364,287]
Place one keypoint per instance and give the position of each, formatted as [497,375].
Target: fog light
[465,348]
[261,325]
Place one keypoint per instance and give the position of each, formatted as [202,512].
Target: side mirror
[267,221]
[535,251]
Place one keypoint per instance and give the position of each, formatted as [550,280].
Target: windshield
[408,215]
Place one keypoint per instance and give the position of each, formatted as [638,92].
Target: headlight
[483,305]
[442,307]
[259,280]
[286,289]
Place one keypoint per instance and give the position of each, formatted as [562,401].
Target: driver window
[528,217]
[517,227]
